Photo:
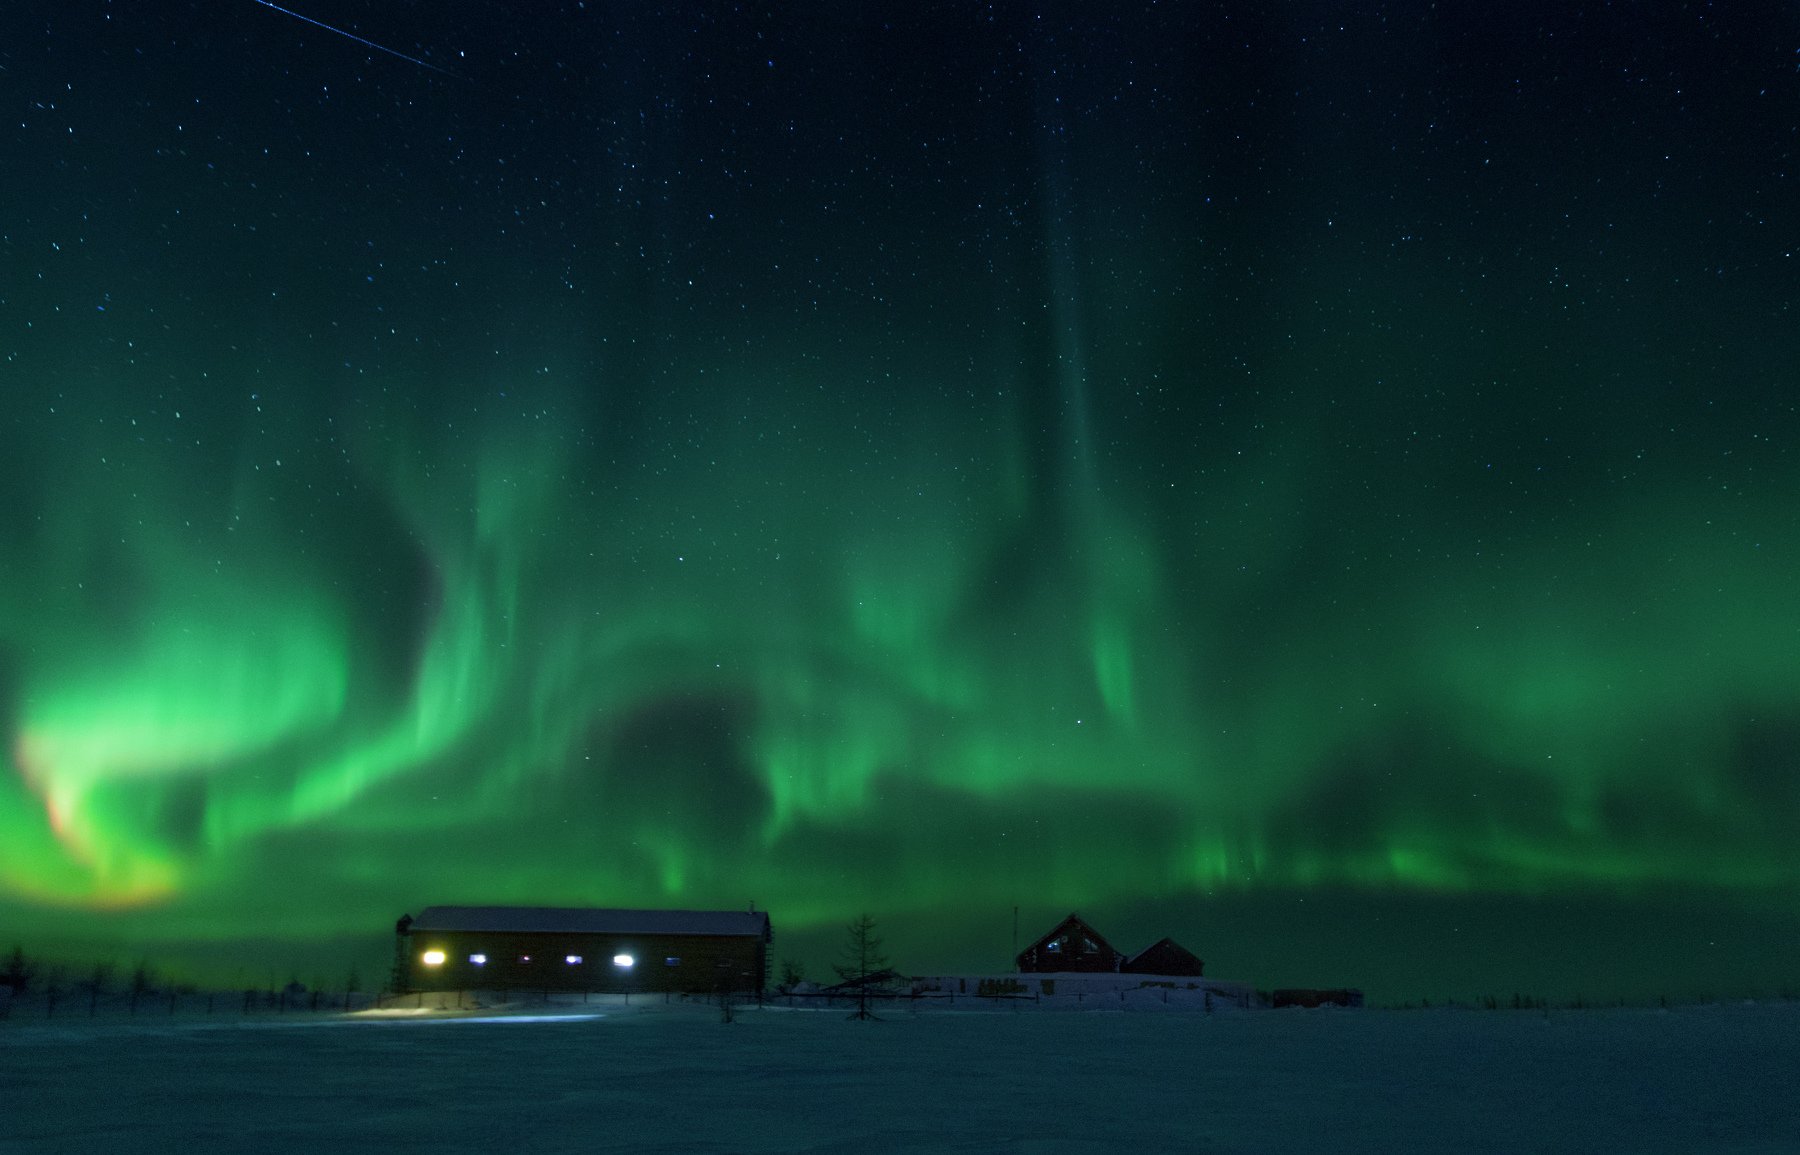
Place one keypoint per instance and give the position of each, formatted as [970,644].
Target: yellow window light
[432,958]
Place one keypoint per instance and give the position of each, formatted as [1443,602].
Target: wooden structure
[1165,956]
[1071,945]
[582,949]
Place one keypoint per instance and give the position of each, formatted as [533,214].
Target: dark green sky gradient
[1270,481]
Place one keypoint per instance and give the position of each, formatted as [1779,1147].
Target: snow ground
[662,1078]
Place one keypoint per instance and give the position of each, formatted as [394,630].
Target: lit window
[573,960]
[524,958]
[479,960]
[432,958]
[1054,947]
[624,961]
[672,961]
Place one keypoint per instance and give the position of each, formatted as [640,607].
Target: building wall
[1071,954]
[705,963]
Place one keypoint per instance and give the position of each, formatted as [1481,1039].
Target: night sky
[1318,480]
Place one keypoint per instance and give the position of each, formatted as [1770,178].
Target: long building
[583,949]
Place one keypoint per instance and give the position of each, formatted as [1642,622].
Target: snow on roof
[590,920]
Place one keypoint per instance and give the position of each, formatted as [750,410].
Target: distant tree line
[58,983]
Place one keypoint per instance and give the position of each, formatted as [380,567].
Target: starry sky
[1317,480]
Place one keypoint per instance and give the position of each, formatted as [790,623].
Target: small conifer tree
[792,974]
[97,983]
[143,982]
[53,990]
[18,973]
[861,962]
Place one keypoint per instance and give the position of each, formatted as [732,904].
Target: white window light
[672,961]
[524,958]
[479,960]
[573,960]
[432,958]
[624,961]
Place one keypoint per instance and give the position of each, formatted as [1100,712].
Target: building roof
[1088,951]
[1165,956]
[590,920]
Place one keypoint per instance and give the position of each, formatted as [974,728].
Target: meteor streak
[353,36]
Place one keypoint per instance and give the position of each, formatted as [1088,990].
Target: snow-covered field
[676,1078]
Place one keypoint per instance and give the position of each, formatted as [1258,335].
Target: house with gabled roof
[1071,946]
[1074,947]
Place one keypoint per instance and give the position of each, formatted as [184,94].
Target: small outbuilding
[583,949]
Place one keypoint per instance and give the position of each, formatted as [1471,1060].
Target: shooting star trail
[358,39]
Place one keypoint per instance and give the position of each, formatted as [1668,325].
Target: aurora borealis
[1320,485]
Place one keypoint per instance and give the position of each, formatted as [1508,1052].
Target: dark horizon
[1427,948]
[1316,483]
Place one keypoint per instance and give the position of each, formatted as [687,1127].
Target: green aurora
[426,489]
